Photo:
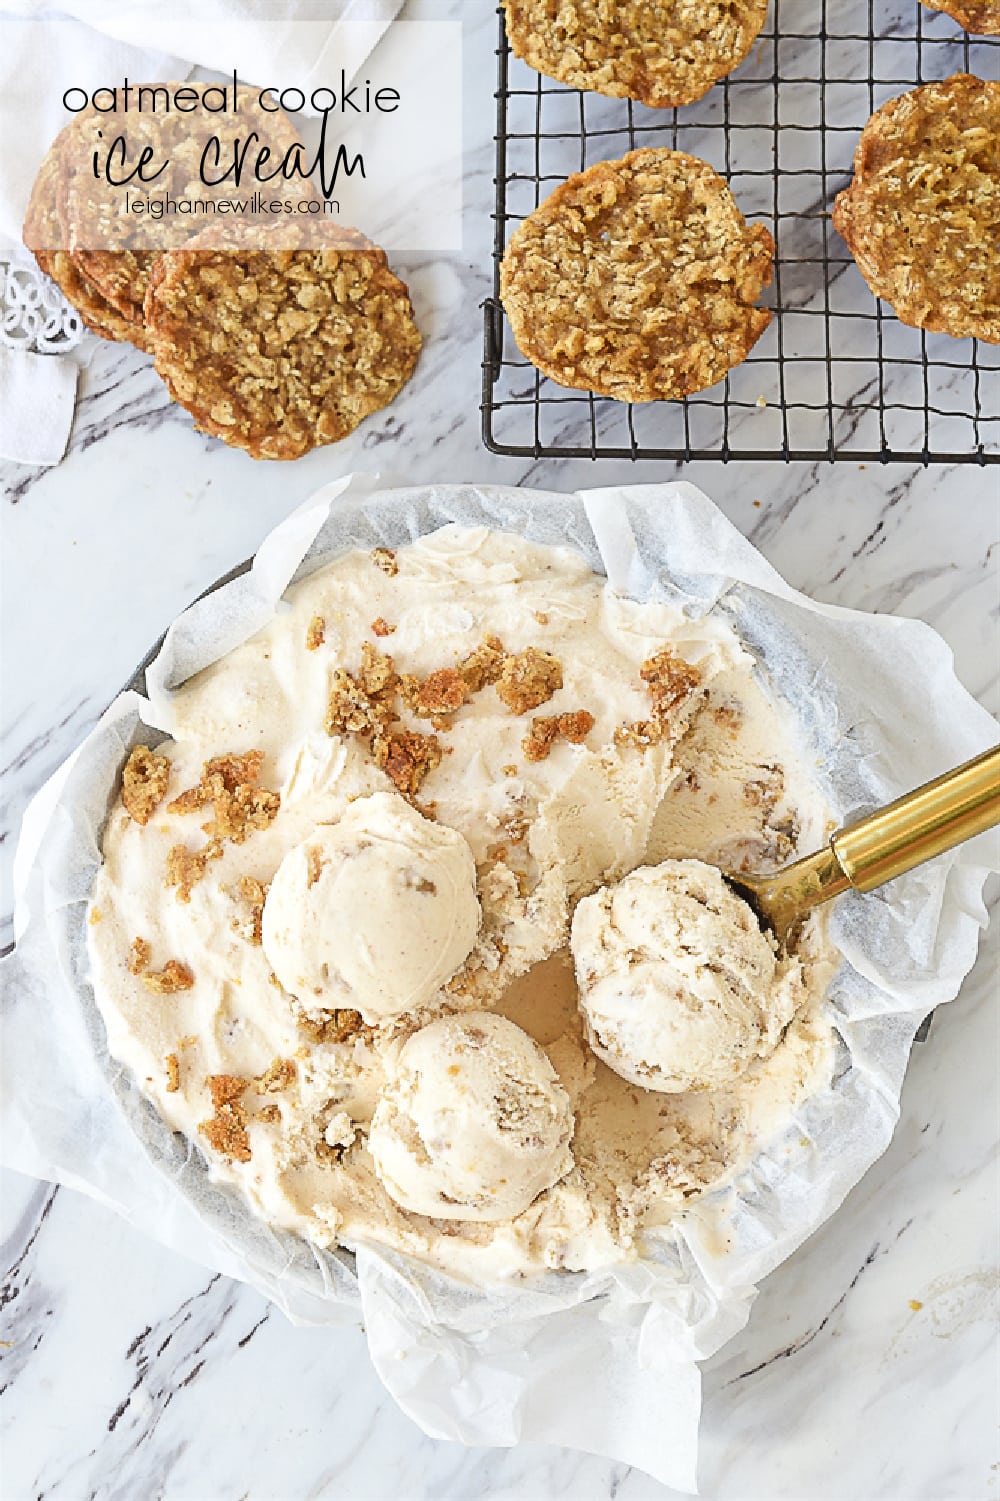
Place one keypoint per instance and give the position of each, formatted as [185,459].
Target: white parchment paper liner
[603,1361]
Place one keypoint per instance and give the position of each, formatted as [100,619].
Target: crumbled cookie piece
[483,666]
[139,956]
[173,1073]
[270,1114]
[276,1077]
[252,894]
[228,783]
[765,789]
[546,730]
[349,711]
[226,1131]
[337,1132]
[385,559]
[334,1026]
[528,679]
[669,679]
[315,633]
[144,783]
[663,52]
[638,279]
[442,692]
[408,759]
[172,977]
[922,214]
[378,673]
[381,627]
[670,682]
[185,868]
[366,706]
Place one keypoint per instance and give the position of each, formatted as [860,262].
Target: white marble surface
[128,1372]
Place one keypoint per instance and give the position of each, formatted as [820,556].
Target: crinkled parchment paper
[604,1361]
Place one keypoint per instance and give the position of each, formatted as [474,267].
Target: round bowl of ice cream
[369,933]
[397,803]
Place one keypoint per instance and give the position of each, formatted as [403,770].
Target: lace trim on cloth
[34,315]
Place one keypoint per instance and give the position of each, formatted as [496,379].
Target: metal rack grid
[836,375]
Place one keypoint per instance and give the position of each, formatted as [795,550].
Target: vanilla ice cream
[473,1124]
[679,987]
[374,912]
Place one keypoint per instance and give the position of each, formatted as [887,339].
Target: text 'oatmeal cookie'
[982,17]
[662,52]
[922,215]
[637,279]
[278,351]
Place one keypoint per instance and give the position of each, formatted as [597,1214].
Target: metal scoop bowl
[910,831]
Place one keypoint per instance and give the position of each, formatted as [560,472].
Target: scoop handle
[924,823]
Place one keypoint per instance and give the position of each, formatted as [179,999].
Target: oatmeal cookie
[922,215]
[979,16]
[115,251]
[278,351]
[637,279]
[663,52]
[46,239]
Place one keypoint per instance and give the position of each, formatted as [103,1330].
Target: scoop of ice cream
[474,1122]
[374,912]
[679,988]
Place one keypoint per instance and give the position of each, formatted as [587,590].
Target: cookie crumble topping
[144,783]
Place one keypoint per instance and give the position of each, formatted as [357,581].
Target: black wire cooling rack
[836,375]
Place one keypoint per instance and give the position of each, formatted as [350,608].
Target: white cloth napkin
[97,43]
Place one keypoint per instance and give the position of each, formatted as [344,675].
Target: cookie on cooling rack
[662,52]
[278,351]
[922,214]
[982,17]
[637,279]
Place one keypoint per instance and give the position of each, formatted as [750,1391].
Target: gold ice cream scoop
[914,828]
